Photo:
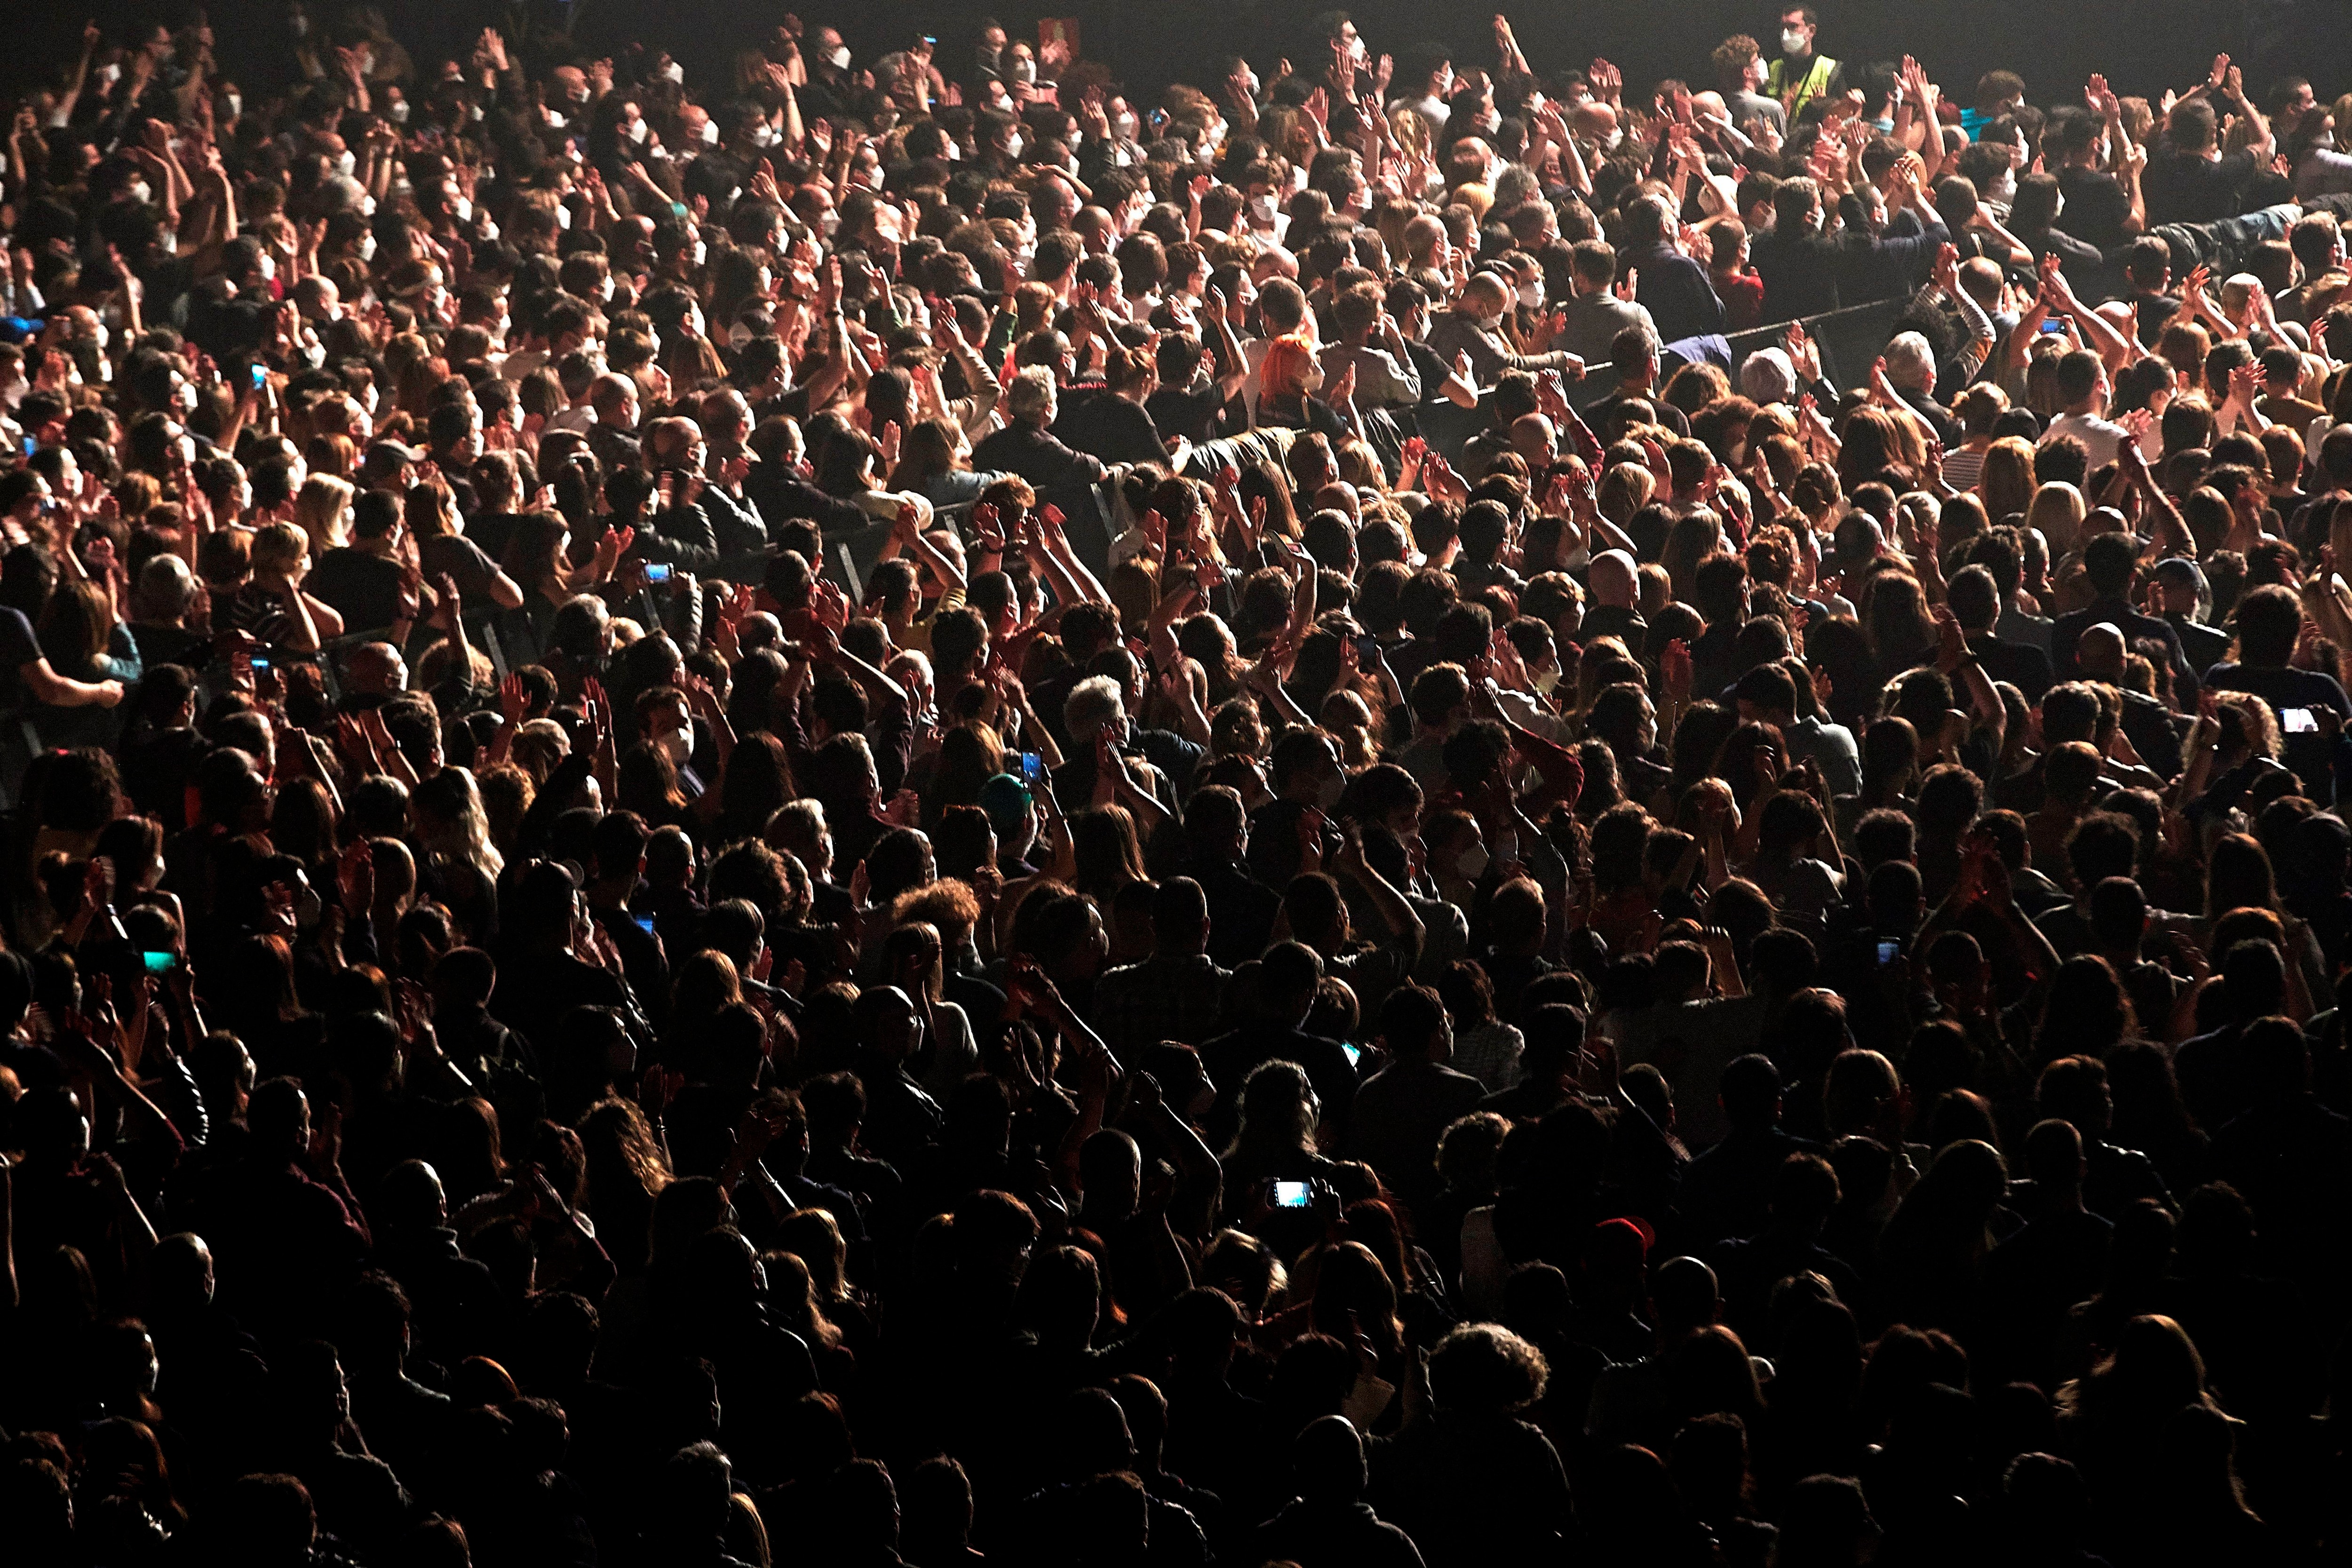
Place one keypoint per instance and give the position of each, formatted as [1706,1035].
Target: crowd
[894,810]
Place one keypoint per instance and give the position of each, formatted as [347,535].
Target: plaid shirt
[1489,1052]
[1162,998]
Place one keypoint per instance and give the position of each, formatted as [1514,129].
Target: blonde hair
[322,511]
[278,547]
[2006,481]
[2058,511]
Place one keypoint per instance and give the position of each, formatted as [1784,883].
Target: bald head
[2101,652]
[1616,580]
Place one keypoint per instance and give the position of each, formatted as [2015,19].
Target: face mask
[831,222]
[678,743]
[673,72]
[638,131]
[838,58]
[462,210]
[367,248]
[1024,70]
[2058,210]
[14,392]
[763,135]
[346,161]
[237,107]
[701,252]
[111,73]
[578,95]
[738,335]
[1546,680]
[710,134]
[1471,863]
[399,112]
[1792,42]
[269,266]
[605,293]
[1262,209]
[556,122]
[563,218]
[1531,295]
[1326,793]
[140,192]
[1013,148]
[2004,185]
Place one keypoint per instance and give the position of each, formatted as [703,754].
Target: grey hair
[1768,376]
[1094,704]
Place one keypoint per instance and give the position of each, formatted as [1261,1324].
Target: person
[1802,74]
[1327,1521]
[1401,1110]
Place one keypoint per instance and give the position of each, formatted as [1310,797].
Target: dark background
[2143,46]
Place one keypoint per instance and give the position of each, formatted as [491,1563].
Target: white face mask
[269,266]
[236,106]
[701,252]
[462,210]
[399,112]
[111,73]
[140,192]
[838,58]
[673,72]
[1472,862]
[1013,146]
[710,134]
[14,392]
[367,248]
[678,743]
[563,218]
[1531,295]
[1792,41]
[2003,188]
[638,131]
[1024,70]
[1262,209]
[346,161]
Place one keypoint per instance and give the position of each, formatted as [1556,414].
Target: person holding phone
[2270,624]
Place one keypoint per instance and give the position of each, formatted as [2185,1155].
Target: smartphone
[32,445]
[1888,951]
[260,665]
[261,375]
[645,923]
[1355,1053]
[2297,722]
[160,962]
[657,571]
[1032,766]
[1293,1194]
[2052,324]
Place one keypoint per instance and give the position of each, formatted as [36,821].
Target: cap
[1004,798]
